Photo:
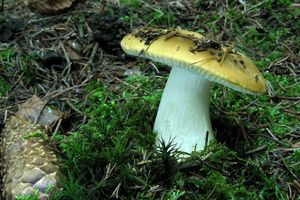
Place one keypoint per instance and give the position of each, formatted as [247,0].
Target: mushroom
[183,114]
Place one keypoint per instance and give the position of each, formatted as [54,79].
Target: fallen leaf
[49,6]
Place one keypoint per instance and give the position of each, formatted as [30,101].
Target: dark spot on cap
[242,63]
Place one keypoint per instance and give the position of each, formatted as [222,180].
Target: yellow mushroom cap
[176,48]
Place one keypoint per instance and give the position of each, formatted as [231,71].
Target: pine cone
[49,6]
[29,165]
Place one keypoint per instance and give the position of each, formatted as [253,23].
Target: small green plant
[167,161]
[6,61]
[6,58]
[27,67]
[174,194]
[36,134]
[4,87]
[131,3]
[159,16]
[29,197]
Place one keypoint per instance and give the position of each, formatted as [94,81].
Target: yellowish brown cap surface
[186,49]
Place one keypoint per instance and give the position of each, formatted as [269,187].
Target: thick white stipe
[183,113]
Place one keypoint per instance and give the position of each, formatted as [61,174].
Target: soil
[63,51]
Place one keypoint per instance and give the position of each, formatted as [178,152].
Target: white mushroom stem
[183,113]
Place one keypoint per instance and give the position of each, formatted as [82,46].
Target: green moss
[271,4]
[120,127]
[6,61]
[131,3]
[159,17]
[4,86]
[6,58]
[36,134]
[174,194]
[28,197]
[293,161]
[219,187]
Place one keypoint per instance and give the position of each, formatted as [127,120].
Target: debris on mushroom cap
[49,6]
[28,164]
[193,51]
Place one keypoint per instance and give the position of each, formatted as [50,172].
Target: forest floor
[105,143]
